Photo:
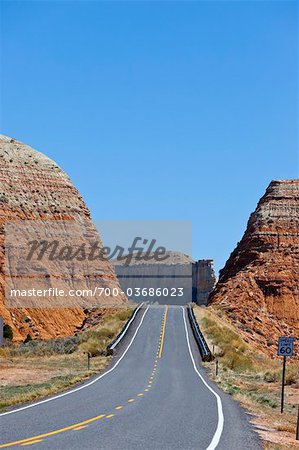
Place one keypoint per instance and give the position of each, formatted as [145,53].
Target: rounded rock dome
[34,186]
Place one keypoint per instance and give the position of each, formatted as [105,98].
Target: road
[154,396]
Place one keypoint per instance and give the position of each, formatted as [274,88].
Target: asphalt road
[155,395]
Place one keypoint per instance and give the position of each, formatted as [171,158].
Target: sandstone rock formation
[259,285]
[197,278]
[33,187]
[203,280]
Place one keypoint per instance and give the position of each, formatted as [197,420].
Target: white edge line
[219,429]
[126,328]
[85,385]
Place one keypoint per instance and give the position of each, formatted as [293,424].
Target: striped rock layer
[33,187]
[259,285]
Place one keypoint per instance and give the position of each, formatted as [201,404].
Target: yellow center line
[80,425]
[163,332]
[140,395]
[50,433]
[32,442]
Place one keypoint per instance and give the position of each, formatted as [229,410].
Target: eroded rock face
[203,280]
[33,187]
[259,285]
[174,271]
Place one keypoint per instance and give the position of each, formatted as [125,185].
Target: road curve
[155,396]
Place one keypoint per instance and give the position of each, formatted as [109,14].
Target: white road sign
[285,346]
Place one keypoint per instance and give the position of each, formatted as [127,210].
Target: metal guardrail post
[124,330]
[199,337]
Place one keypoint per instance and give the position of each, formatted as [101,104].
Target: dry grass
[252,379]
[26,374]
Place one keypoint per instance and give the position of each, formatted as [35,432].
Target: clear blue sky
[158,110]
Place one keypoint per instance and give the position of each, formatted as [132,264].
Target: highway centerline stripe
[119,407]
[163,332]
[32,442]
[85,385]
[80,425]
[109,416]
[51,433]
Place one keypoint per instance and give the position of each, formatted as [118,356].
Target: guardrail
[119,337]
[204,350]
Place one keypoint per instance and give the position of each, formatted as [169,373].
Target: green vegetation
[231,350]
[7,332]
[96,341]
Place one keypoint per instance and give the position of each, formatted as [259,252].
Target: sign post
[285,348]
[283,382]
[297,429]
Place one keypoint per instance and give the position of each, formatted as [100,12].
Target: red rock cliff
[34,187]
[259,285]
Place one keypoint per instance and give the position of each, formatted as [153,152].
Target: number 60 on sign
[285,346]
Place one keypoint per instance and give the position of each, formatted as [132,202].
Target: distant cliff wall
[197,279]
[203,280]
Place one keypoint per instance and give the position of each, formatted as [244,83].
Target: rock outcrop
[196,278]
[33,187]
[203,280]
[259,285]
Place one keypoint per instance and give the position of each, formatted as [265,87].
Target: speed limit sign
[285,346]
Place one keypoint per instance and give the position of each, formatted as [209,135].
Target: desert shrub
[236,361]
[271,376]
[291,375]
[95,340]
[124,314]
[7,332]
[232,351]
[107,333]
[233,390]
[4,352]
[266,401]
[94,347]
[63,346]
